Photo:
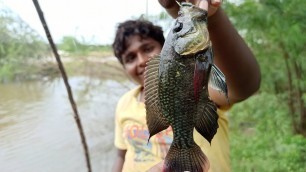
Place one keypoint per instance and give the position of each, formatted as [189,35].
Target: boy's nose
[142,59]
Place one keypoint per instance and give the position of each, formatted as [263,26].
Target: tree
[18,38]
[19,42]
[274,29]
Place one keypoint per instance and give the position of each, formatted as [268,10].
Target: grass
[262,139]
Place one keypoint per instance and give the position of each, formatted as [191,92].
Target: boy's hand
[172,7]
[159,167]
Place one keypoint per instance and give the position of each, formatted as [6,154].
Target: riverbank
[47,68]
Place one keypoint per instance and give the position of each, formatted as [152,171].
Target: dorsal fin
[155,119]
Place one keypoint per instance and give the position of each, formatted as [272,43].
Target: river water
[38,130]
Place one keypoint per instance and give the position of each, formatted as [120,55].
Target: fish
[176,89]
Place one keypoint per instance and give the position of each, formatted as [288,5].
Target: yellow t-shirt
[131,134]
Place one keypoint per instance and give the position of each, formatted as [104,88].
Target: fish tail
[185,159]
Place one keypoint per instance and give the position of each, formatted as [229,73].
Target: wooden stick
[65,78]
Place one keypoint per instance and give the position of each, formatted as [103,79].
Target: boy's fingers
[171,7]
[203,4]
[167,4]
[216,3]
[157,168]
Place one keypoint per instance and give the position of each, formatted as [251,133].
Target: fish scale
[175,87]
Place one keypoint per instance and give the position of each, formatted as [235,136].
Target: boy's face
[137,54]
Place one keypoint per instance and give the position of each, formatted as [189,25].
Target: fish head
[190,34]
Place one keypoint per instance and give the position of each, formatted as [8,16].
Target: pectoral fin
[155,119]
[217,80]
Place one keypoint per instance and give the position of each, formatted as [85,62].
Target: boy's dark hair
[141,27]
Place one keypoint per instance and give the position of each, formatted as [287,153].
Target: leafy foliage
[261,137]
[274,30]
[19,42]
[268,131]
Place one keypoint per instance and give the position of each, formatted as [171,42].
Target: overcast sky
[93,20]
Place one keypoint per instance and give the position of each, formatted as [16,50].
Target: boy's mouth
[141,74]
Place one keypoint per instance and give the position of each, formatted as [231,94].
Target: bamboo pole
[65,78]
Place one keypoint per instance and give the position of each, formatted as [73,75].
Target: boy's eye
[128,58]
[148,49]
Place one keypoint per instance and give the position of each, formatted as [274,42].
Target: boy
[138,40]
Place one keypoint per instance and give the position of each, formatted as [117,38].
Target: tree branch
[65,78]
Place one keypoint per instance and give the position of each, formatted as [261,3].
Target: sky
[94,21]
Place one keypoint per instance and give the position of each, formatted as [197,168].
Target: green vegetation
[261,137]
[73,47]
[19,43]
[268,131]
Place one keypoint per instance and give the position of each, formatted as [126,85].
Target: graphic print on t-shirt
[137,135]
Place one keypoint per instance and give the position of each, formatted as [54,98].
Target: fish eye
[178,26]
[180,13]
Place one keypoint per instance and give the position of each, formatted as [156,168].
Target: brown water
[38,131]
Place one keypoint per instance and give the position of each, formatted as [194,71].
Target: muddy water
[38,131]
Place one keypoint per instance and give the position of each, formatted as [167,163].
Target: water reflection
[38,132]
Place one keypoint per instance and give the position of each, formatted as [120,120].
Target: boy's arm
[234,58]
[119,142]
[119,160]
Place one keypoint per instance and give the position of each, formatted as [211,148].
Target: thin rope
[65,78]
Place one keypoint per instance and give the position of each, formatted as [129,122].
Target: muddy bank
[97,67]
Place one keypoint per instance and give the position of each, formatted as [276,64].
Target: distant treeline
[71,46]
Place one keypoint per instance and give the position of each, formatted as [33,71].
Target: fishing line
[65,78]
